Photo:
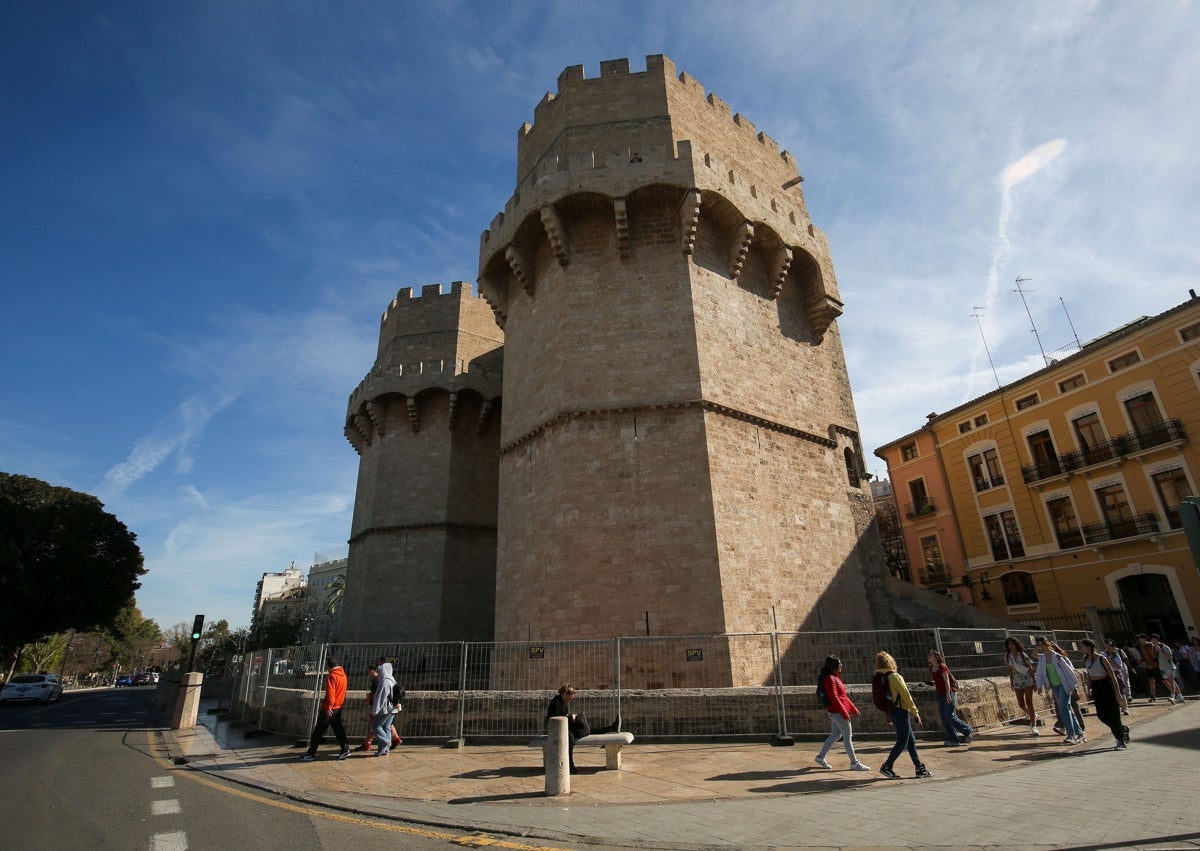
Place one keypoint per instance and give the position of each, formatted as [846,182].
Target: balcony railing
[982,483]
[918,509]
[1128,527]
[933,574]
[1167,431]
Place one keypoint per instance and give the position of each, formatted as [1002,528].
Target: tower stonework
[679,450]
[425,423]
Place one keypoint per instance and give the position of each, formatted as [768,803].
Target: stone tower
[425,423]
[679,451]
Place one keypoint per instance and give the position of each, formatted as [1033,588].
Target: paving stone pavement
[1005,790]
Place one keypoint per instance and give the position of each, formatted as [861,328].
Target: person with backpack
[946,687]
[891,696]
[1104,688]
[832,696]
[384,707]
[373,674]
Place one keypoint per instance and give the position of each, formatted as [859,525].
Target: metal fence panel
[974,653]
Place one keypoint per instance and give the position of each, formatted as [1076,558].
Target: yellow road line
[478,840]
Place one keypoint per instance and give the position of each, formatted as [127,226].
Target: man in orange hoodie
[330,713]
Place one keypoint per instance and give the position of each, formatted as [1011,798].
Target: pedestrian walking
[1056,674]
[384,707]
[373,676]
[1020,678]
[1116,658]
[1103,689]
[947,688]
[839,706]
[1166,665]
[329,713]
[891,696]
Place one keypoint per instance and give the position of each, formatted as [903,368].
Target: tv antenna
[1069,322]
[1020,281]
[975,313]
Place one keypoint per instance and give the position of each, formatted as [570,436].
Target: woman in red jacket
[840,708]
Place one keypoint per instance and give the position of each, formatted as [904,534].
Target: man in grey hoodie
[383,710]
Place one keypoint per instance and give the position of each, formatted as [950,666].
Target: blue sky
[208,206]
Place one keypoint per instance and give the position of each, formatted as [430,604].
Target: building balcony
[1113,530]
[1113,449]
[919,509]
[984,483]
[933,574]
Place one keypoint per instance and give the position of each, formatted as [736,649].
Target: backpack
[397,695]
[880,693]
[822,696]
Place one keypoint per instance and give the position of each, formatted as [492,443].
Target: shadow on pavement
[499,773]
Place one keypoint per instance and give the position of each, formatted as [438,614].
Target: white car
[42,688]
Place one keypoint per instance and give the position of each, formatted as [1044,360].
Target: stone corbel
[556,233]
[453,409]
[821,312]
[354,438]
[363,426]
[622,219]
[780,263]
[521,264]
[375,414]
[739,245]
[689,219]
[414,418]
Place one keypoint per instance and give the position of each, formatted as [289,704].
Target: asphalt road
[89,772]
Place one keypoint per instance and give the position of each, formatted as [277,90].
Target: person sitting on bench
[577,723]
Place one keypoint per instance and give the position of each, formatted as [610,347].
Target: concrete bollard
[556,758]
[187,703]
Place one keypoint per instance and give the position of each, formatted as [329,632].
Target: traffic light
[197,627]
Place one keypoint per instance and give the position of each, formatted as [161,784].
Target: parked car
[141,678]
[41,688]
[124,680]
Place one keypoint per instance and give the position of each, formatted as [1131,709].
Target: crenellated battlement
[617,172]
[433,297]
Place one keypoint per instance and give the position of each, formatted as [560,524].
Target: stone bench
[611,742]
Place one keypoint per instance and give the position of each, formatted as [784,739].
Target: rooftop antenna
[1069,322]
[1020,280]
[975,313]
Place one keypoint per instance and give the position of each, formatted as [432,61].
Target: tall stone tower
[425,423]
[679,451]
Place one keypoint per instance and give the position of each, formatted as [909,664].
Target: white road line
[176,841]
[164,808]
[161,782]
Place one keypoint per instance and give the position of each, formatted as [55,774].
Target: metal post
[783,738]
[937,640]
[616,678]
[462,689]
[312,715]
[262,707]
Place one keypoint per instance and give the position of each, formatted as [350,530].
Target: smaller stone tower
[425,423]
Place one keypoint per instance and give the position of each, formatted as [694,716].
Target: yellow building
[1065,485]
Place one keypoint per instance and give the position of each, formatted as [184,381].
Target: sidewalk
[1006,790]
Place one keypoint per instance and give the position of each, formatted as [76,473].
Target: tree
[891,535]
[134,637]
[65,563]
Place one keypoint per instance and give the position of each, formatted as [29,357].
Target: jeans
[381,726]
[905,738]
[954,725]
[1062,699]
[839,728]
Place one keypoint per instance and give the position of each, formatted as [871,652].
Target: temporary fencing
[741,685]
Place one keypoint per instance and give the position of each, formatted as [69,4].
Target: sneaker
[823,762]
[344,755]
[1125,733]
[886,771]
[383,752]
[970,737]
[307,758]
[1071,740]
[396,741]
[953,744]
[1179,698]
[1059,730]
[858,766]
[924,772]
[1033,731]
[1153,699]
[1120,746]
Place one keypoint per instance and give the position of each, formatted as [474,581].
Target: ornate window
[1004,536]
[1066,527]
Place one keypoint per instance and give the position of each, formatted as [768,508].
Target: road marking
[176,841]
[161,782]
[164,808]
